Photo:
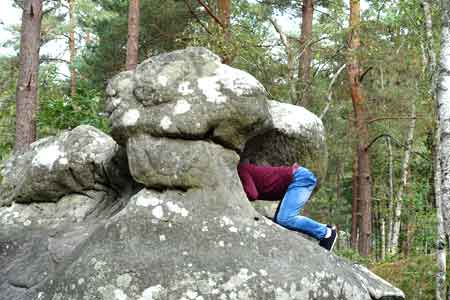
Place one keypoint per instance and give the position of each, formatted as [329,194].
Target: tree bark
[304,73]
[27,84]
[133,35]
[390,205]
[355,204]
[440,242]
[430,39]
[224,8]
[72,49]
[404,181]
[362,132]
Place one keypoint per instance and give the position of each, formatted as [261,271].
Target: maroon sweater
[264,182]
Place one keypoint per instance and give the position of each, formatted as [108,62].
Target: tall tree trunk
[224,8]
[356,216]
[27,84]
[404,181]
[133,35]
[441,253]
[304,71]
[440,242]
[360,112]
[429,32]
[72,49]
[390,205]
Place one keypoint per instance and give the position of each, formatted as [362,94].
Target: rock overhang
[187,94]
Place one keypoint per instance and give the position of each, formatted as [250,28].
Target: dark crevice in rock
[18,285]
[75,177]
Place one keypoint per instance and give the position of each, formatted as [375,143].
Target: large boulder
[83,159]
[187,94]
[190,233]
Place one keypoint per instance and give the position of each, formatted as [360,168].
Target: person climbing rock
[294,185]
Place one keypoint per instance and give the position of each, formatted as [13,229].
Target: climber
[294,185]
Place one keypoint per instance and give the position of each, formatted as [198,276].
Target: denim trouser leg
[298,193]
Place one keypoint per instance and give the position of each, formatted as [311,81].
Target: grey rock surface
[175,163]
[187,94]
[80,160]
[190,233]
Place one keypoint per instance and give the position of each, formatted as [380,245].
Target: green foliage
[161,25]
[8,75]
[415,276]
[59,112]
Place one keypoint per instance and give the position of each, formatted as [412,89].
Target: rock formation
[178,225]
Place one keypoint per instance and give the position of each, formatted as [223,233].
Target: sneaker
[331,226]
[329,242]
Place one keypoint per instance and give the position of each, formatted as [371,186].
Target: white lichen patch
[221,243]
[130,117]
[120,295]
[165,123]
[205,228]
[163,80]
[263,272]
[27,223]
[237,81]
[116,102]
[153,293]
[191,294]
[146,200]
[226,221]
[181,107]
[162,237]
[46,156]
[158,212]
[184,88]
[124,280]
[293,119]
[233,229]
[175,208]
[238,280]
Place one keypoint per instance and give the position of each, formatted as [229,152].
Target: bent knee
[284,222]
[306,177]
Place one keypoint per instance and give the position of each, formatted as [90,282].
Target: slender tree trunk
[360,112]
[304,72]
[133,35]
[224,8]
[404,181]
[382,236]
[390,205]
[430,39]
[27,84]
[355,204]
[72,49]
[440,242]
[441,253]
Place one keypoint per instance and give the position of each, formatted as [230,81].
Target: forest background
[298,64]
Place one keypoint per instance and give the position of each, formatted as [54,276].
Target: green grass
[415,276]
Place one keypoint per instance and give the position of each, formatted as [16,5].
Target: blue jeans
[298,193]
